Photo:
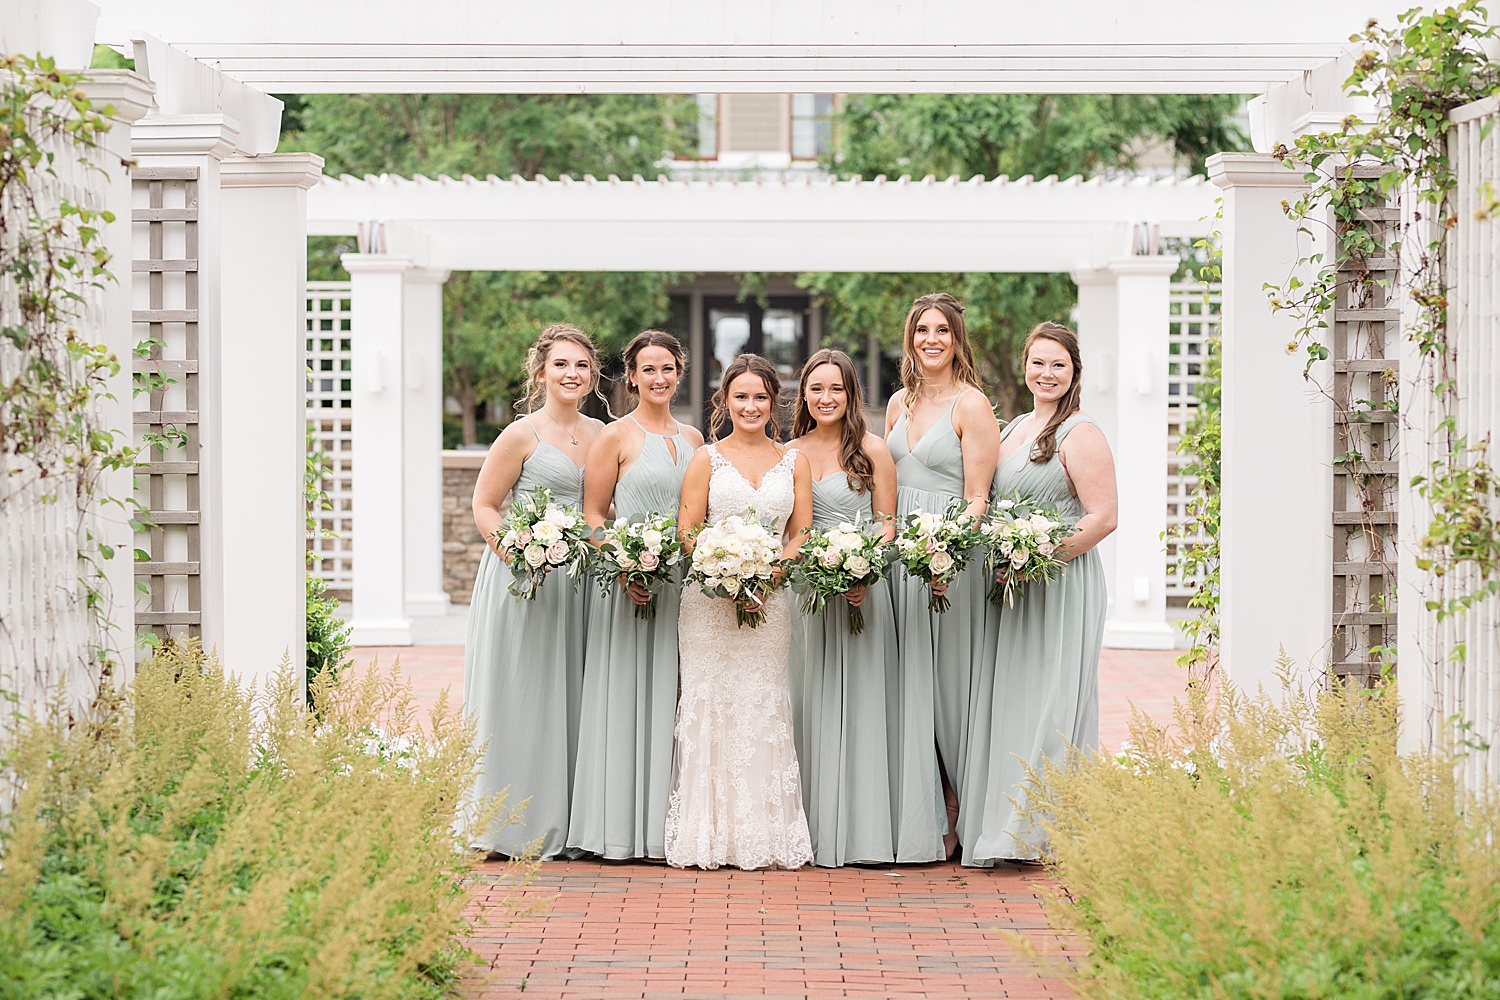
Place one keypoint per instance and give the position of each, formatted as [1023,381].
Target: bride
[736,789]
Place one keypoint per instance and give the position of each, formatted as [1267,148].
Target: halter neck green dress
[846,701]
[1042,690]
[624,773]
[938,651]
[523,679]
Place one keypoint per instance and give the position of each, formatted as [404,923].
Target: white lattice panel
[1194,321]
[330,403]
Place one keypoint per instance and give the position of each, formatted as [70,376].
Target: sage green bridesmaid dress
[846,701]
[1041,692]
[523,679]
[624,772]
[938,651]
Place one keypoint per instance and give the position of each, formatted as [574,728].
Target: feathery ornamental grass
[1276,847]
[198,841]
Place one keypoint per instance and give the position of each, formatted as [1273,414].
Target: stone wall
[462,543]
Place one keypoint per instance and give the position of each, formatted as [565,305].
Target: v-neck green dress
[938,651]
[1042,691]
[846,699]
[624,775]
[523,679]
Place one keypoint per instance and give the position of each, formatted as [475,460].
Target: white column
[423,310]
[1138,616]
[379,433]
[1276,536]
[130,95]
[200,141]
[1098,341]
[264,257]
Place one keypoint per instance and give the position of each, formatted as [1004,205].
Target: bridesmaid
[523,661]
[845,688]
[945,440]
[624,773]
[1044,690]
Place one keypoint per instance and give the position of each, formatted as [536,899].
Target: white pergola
[1277,432]
[1104,233]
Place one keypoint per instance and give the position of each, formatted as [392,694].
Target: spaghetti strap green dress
[938,651]
[624,773]
[846,699]
[523,679]
[1042,691]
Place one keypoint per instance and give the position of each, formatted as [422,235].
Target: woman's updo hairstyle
[752,364]
[541,351]
[643,340]
[1044,445]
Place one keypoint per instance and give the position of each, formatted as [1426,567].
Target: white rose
[1005,504]
[857,565]
[763,570]
[652,538]
[941,562]
[535,555]
[1017,559]
[509,541]
[1040,523]
[556,515]
[546,532]
[710,582]
[625,561]
[731,584]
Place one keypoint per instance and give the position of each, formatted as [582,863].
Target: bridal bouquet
[834,561]
[643,552]
[734,558]
[537,537]
[1022,537]
[934,547]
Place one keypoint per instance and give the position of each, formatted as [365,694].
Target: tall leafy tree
[990,135]
[490,318]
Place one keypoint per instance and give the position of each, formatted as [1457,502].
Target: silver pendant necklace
[570,434]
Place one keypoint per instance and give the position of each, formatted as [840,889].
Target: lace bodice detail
[730,493]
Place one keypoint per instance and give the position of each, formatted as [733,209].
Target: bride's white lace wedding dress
[736,789]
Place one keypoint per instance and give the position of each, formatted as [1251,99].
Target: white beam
[799,225]
[719,46]
[423,443]
[187,86]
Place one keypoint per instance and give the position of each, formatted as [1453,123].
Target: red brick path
[618,930]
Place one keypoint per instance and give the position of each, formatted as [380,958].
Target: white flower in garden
[857,565]
[547,532]
[941,562]
[535,555]
[557,553]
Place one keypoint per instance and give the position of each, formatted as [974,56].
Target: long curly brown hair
[1044,445]
[852,458]
[754,364]
[964,370]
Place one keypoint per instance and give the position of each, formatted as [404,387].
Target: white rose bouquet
[935,547]
[834,561]
[644,552]
[1023,538]
[735,558]
[537,537]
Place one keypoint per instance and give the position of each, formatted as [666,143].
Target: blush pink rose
[557,552]
[649,561]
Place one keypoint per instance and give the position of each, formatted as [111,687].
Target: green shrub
[1276,847]
[198,841]
[327,636]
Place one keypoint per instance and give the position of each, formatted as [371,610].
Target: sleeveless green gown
[1041,691]
[523,679]
[846,701]
[937,650]
[624,773]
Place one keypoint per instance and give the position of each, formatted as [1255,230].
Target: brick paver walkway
[617,930]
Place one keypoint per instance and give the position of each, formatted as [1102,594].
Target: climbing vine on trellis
[1417,73]
[52,257]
